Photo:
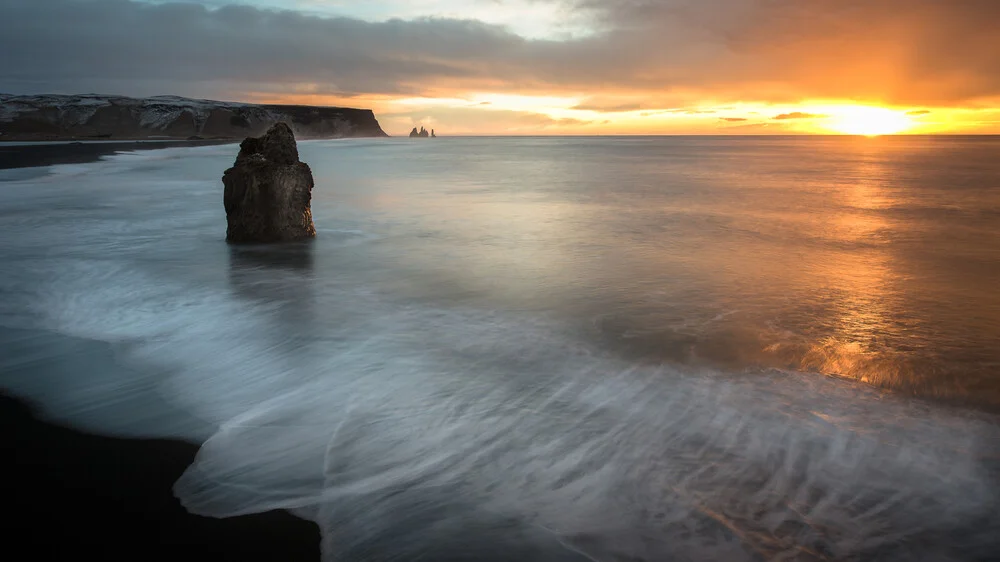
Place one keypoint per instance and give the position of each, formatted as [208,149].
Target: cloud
[798,115]
[918,112]
[472,120]
[733,119]
[757,128]
[70,45]
[613,108]
[906,52]
[890,51]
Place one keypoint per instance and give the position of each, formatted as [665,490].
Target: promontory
[94,117]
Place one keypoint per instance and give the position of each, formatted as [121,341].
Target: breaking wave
[406,432]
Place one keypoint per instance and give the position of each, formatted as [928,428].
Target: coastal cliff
[81,117]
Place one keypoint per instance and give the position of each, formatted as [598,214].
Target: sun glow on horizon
[868,121]
[574,113]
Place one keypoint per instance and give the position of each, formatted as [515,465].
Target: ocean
[542,348]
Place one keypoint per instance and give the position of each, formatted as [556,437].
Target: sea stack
[268,191]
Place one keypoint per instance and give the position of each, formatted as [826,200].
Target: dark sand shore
[15,155]
[70,495]
[73,495]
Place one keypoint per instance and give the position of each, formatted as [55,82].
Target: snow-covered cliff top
[73,113]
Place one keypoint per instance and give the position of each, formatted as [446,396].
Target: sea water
[621,348]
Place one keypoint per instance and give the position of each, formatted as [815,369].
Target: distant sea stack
[57,117]
[421,133]
[268,191]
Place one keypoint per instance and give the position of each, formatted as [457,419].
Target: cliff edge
[90,116]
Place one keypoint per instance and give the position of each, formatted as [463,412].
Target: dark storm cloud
[922,52]
[67,42]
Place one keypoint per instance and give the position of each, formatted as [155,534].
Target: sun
[869,121]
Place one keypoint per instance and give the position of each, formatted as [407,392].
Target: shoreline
[76,494]
[19,154]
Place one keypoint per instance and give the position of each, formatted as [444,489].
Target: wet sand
[18,155]
[72,495]
[83,480]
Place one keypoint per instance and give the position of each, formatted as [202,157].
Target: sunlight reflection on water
[611,348]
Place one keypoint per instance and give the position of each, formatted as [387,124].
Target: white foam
[583,445]
[506,413]
[355,410]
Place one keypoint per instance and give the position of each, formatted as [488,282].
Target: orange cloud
[642,65]
[798,115]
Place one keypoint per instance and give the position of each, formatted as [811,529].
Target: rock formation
[422,133]
[268,191]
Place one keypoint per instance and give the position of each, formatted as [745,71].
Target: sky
[536,66]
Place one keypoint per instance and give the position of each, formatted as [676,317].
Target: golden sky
[477,113]
[537,66]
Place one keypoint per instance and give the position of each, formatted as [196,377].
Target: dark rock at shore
[268,191]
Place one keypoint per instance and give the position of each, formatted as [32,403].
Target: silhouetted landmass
[58,117]
[73,496]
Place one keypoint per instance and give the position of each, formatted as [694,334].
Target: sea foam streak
[411,431]
[618,462]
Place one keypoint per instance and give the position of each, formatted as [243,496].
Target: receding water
[543,348]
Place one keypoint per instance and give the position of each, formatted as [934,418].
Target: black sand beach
[15,155]
[70,495]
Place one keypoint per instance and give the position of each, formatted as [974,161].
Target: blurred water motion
[608,348]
